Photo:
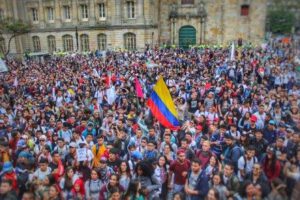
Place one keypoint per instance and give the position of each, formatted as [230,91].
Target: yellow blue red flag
[162,106]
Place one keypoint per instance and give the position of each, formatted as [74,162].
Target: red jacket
[272,174]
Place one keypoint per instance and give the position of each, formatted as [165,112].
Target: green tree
[281,21]
[13,28]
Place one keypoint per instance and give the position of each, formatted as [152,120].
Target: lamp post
[76,36]
[202,15]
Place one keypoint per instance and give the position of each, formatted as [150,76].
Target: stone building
[131,24]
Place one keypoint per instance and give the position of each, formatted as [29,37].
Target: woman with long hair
[271,166]
[144,173]
[67,182]
[213,166]
[168,153]
[124,173]
[245,122]
[217,184]
[134,191]
[106,190]
[212,194]
[161,173]
[53,194]
[93,186]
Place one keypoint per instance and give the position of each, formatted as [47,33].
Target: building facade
[132,24]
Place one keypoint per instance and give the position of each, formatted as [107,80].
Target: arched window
[130,41]
[101,38]
[84,41]
[2,45]
[36,44]
[67,42]
[51,43]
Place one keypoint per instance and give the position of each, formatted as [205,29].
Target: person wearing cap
[89,130]
[41,145]
[70,159]
[271,165]
[8,173]
[232,152]
[179,168]
[270,133]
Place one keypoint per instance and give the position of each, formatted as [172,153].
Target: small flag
[232,52]
[138,88]
[111,95]
[162,106]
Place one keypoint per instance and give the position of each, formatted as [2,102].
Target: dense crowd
[73,127]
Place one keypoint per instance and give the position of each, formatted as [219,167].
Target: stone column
[92,8]
[140,7]
[118,14]
[75,12]
[41,14]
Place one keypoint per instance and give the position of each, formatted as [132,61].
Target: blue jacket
[202,186]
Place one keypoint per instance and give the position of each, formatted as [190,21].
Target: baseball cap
[73,144]
[272,122]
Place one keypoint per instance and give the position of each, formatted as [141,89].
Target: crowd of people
[73,127]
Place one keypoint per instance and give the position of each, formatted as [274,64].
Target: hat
[290,130]
[270,149]
[281,124]
[272,122]
[180,151]
[24,136]
[43,137]
[253,118]
[43,160]
[137,155]
[7,167]
[90,124]
[103,159]
[73,144]
[21,144]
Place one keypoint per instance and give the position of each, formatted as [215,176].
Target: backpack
[22,177]
[245,161]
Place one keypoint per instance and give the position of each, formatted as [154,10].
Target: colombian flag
[162,106]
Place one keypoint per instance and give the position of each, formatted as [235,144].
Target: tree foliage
[281,21]
[13,28]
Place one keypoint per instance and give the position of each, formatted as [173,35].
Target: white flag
[111,95]
[232,52]
[16,83]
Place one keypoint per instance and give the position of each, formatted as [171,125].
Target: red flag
[138,88]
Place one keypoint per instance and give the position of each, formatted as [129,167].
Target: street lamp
[76,36]
[203,16]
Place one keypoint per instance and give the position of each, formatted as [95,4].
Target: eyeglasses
[42,140]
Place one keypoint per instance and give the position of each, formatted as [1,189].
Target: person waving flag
[162,106]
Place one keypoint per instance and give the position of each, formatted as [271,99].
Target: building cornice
[91,28]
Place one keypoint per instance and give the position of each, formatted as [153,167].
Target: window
[84,41]
[2,45]
[187,1]
[67,42]
[84,11]
[102,10]
[51,43]
[35,16]
[36,44]
[1,14]
[67,14]
[130,41]
[130,9]
[244,10]
[101,41]
[50,14]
